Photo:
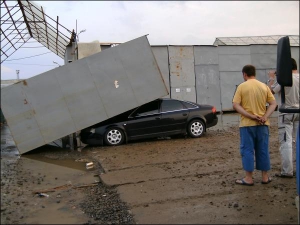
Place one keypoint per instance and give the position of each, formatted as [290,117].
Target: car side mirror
[284,71]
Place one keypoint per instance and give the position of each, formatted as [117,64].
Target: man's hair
[249,70]
[294,64]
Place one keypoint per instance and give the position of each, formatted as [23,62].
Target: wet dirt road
[53,186]
[172,181]
[192,181]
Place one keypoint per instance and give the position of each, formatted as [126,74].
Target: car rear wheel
[196,128]
[114,136]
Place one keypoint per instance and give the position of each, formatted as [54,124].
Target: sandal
[242,182]
[268,181]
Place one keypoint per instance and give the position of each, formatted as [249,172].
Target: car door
[173,116]
[144,121]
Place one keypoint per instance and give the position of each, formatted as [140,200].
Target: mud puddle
[68,163]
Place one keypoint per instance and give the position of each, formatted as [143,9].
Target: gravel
[104,206]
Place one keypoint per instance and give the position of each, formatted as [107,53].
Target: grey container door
[207,76]
[208,85]
[182,71]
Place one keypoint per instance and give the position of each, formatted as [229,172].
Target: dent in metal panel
[233,62]
[162,58]
[229,82]
[182,71]
[206,55]
[208,85]
[184,93]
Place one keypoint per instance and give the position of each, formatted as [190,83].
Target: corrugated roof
[272,39]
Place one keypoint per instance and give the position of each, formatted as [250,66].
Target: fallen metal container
[67,99]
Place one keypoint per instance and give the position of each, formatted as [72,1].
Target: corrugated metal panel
[233,50]
[263,49]
[229,82]
[235,58]
[263,56]
[162,58]
[206,55]
[184,93]
[207,75]
[182,70]
[208,85]
[69,98]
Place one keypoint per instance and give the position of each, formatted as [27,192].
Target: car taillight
[214,110]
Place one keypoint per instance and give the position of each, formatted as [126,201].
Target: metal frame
[24,20]
[272,39]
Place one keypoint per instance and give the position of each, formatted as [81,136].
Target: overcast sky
[167,23]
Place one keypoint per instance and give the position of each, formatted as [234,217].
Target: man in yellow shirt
[250,101]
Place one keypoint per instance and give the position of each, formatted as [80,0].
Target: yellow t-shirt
[253,95]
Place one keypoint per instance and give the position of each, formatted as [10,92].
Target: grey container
[72,97]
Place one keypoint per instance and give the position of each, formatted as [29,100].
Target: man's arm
[242,111]
[272,106]
[272,83]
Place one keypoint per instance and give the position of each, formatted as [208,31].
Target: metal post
[18,71]
[71,141]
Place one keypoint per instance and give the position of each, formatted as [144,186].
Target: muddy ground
[169,180]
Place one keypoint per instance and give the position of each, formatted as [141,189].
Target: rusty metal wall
[182,72]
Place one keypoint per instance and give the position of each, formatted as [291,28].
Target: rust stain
[181,51]
[24,82]
[178,68]
[25,102]
[176,73]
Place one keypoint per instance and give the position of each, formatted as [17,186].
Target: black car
[159,118]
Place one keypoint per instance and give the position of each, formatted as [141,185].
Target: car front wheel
[196,128]
[114,136]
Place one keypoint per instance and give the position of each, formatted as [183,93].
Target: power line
[28,57]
